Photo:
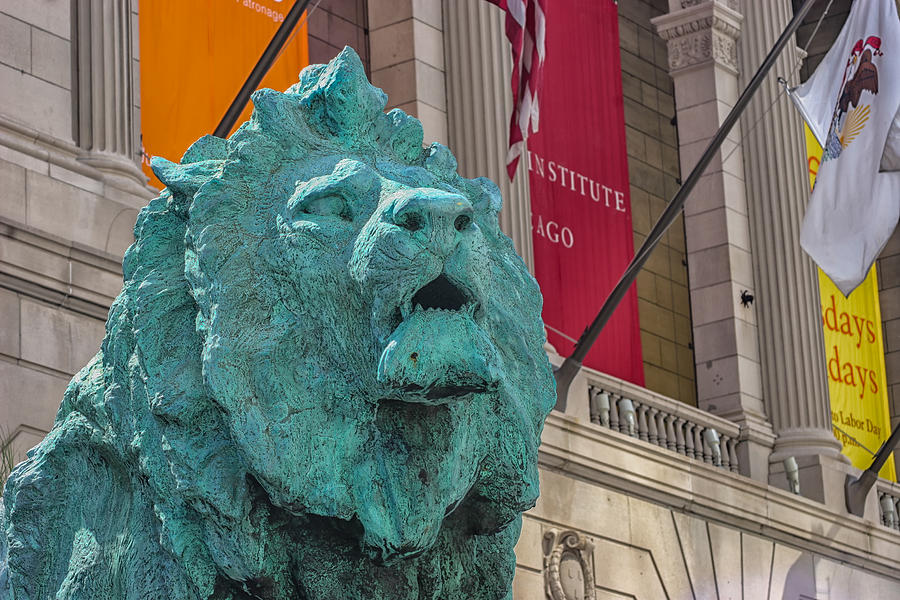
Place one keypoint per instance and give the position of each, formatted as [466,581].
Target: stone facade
[664,528]
[654,516]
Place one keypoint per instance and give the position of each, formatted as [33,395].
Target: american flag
[526,31]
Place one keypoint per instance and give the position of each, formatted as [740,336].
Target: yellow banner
[195,55]
[854,349]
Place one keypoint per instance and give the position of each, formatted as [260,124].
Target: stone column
[106,123]
[702,46]
[479,104]
[788,305]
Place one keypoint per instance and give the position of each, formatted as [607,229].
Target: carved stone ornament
[700,33]
[568,566]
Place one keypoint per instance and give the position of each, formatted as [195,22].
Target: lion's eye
[331,205]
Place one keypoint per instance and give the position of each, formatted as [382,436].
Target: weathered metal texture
[324,378]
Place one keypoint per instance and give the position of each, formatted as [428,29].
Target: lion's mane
[140,487]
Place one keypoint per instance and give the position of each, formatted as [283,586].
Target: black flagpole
[262,67]
[567,371]
[858,488]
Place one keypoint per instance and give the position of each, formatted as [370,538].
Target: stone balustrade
[689,431]
[889,503]
[663,421]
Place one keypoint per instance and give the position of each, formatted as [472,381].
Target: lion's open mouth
[437,351]
[440,294]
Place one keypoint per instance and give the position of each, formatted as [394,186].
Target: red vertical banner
[580,202]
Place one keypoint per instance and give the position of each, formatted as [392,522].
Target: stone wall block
[9,323]
[720,264]
[429,12]
[15,43]
[714,340]
[697,555]
[430,81]
[710,228]
[717,302]
[59,339]
[18,255]
[429,44]
[400,79]
[51,58]
[725,544]
[529,552]
[46,337]
[50,15]
[653,529]
[30,100]
[581,506]
[72,213]
[434,122]
[528,585]
[391,45]
[387,12]
[31,397]
[612,560]
[340,32]
[12,191]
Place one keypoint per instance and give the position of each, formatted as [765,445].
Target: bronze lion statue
[323,378]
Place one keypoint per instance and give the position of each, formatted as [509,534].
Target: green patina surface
[324,378]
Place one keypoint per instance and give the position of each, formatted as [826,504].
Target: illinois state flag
[850,104]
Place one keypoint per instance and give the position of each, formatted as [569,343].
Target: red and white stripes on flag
[526,32]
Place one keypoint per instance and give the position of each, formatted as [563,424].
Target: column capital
[701,32]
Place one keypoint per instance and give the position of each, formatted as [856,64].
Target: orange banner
[194,57]
[854,349]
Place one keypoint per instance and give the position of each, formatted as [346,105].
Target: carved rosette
[568,566]
[701,32]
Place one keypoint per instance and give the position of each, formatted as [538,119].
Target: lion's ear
[184,180]
[209,147]
[275,113]
[165,170]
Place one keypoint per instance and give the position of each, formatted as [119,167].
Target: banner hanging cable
[262,67]
[567,371]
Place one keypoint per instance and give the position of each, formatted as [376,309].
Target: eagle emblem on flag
[852,106]
[850,116]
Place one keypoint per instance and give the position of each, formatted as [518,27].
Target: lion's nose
[438,218]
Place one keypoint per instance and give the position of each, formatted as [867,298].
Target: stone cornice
[613,460]
[46,267]
[732,4]
[115,178]
[699,33]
